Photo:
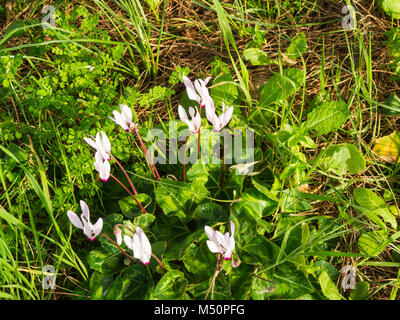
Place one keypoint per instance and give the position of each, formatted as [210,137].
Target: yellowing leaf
[388,147]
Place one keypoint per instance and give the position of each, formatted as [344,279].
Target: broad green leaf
[328,287]
[144,220]
[109,222]
[280,87]
[177,235]
[342,159]
[257,204]
[224,89]
[297,46]
[221,289]
[140,283]
[291,283]
[257,57]
[372,243]
[373,205]
[327,116]
[259,250]
[391,8]
[200,261]
[116,290]
[106,263]
[99,285]
[209,214]
[129,206]
[179,198]
[292,200]
[361,292]
[240,282]
[171,286]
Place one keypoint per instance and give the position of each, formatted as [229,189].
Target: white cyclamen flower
[195,123]
[140,245]
[219,243]
[101,144]
[90,230]
[124,119]
[102,167]
[221,121]
[197,92]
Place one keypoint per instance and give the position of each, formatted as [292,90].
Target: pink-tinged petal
[212,117]
[105,142]
[211,234]
[73,217]
[190,89]
[214,248]
[229,249]
[92,231]
[187,82]
[183,115]
[98,227]
[232,228]
[137,247]
[197,121]
[221,239]
[226,117]
[88,231]
[118,119]
[198,86]
[90,142]
[85,211]
[206,80]
[126,112]
[145,245]
[203,91]
[129,242]
[191,112]
[193,95]
[104,171]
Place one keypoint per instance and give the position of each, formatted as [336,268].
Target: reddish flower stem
[159,261]
[126,175]
[147,156]
[119,248]
[130,193]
